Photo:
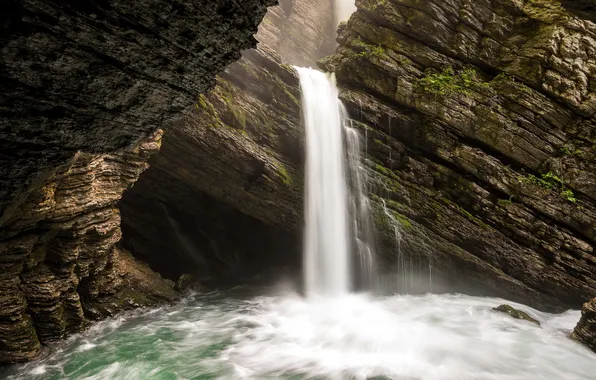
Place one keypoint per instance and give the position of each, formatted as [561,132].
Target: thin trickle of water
[326,240]
[404,270]
[360,210]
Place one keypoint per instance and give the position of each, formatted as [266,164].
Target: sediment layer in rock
[59,243]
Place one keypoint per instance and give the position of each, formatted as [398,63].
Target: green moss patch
[449,82]
[550,182]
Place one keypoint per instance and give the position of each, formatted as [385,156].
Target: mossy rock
[517,314]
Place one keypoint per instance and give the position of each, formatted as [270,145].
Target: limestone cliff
[84,87]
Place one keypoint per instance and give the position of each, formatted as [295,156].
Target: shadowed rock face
[84,87]
[98,76]
[582,8]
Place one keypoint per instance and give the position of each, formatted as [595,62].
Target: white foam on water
[432,337]
[402,337]
[86,346]
[39,370]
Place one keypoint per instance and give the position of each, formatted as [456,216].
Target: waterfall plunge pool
[234,335]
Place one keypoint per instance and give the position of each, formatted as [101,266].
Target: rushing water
[360,210]
[231,336]
[338,252]
[326,237]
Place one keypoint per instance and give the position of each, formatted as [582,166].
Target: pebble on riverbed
[517,314]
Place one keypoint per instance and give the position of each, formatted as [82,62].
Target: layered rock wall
[84,87]
[58,249]
[481,134]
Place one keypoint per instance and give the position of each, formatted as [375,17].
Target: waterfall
[332,233]
[343,10]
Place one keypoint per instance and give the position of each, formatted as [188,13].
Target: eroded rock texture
[481,133]
[98,76]
[57,252]
[84,87]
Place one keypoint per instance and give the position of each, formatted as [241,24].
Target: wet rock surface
[515,313]
[585,331]
[187,283]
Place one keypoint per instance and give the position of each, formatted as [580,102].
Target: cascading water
[360,214]
[326,238]
[329,236]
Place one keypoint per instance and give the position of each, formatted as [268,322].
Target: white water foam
[432,337]
[406,337]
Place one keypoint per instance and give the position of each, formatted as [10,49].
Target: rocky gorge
[478,126]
